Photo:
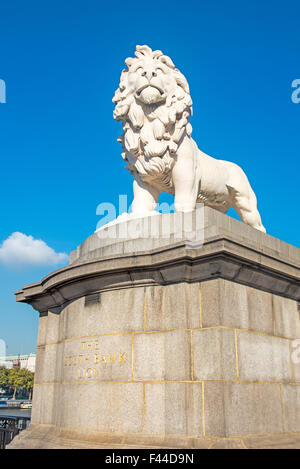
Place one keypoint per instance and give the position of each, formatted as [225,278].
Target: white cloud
[20,250]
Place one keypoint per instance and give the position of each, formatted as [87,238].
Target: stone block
[263,358]
[120,311]
[173,409]
[295,359]
[117,311]
[42,331]
[274,246]
[287,317]
[102,407]
[53,334]
[274,442]
[45,404]
[106,358]
[291,407]
[260,312]
[233,305]
[162,356]
[48,364]
[239,409]
[172,307]
[214,356]
[228,444]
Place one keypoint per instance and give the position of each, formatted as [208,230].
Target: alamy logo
[180,225]
[2,92]
[296,94]
[296,351]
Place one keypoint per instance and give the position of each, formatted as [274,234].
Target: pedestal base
[173,347]
[37,437]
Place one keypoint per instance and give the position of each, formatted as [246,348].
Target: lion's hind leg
[245,204]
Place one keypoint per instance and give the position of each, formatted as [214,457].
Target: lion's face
[154,104]
[151,81]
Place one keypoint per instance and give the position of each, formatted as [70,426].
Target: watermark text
[2,92]
[295,97]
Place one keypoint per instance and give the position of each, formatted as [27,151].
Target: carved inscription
[92,359]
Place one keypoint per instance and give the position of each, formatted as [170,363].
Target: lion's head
[154,104]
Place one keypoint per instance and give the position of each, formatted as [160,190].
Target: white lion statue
[154,104]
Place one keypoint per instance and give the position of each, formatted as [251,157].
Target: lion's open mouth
[149,86]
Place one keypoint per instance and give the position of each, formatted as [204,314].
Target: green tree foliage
[15,379]
[29,382]
[4,373]
[20,379]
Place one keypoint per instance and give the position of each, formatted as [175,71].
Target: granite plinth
[191,343]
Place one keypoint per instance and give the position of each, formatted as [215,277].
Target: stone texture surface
[50,438]
[49,328]
[105,407]
[49,363]
[274,442]
[143,234]
[295,357]
[173,409]
[239,409]
[287,317]
[173,307]
[263,358]
[42,330]
[291,406]
[162,356]
[37,437]
[228,444]
[230,304]
[44,404]
[106,358]
[118,311]
[213,224]
[214,356]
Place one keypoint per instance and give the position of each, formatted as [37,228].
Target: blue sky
[61,61]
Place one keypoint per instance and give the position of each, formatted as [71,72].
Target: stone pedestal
[184,341]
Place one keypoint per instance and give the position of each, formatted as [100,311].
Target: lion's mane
[151,149]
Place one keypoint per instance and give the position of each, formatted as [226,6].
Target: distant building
[23,361]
